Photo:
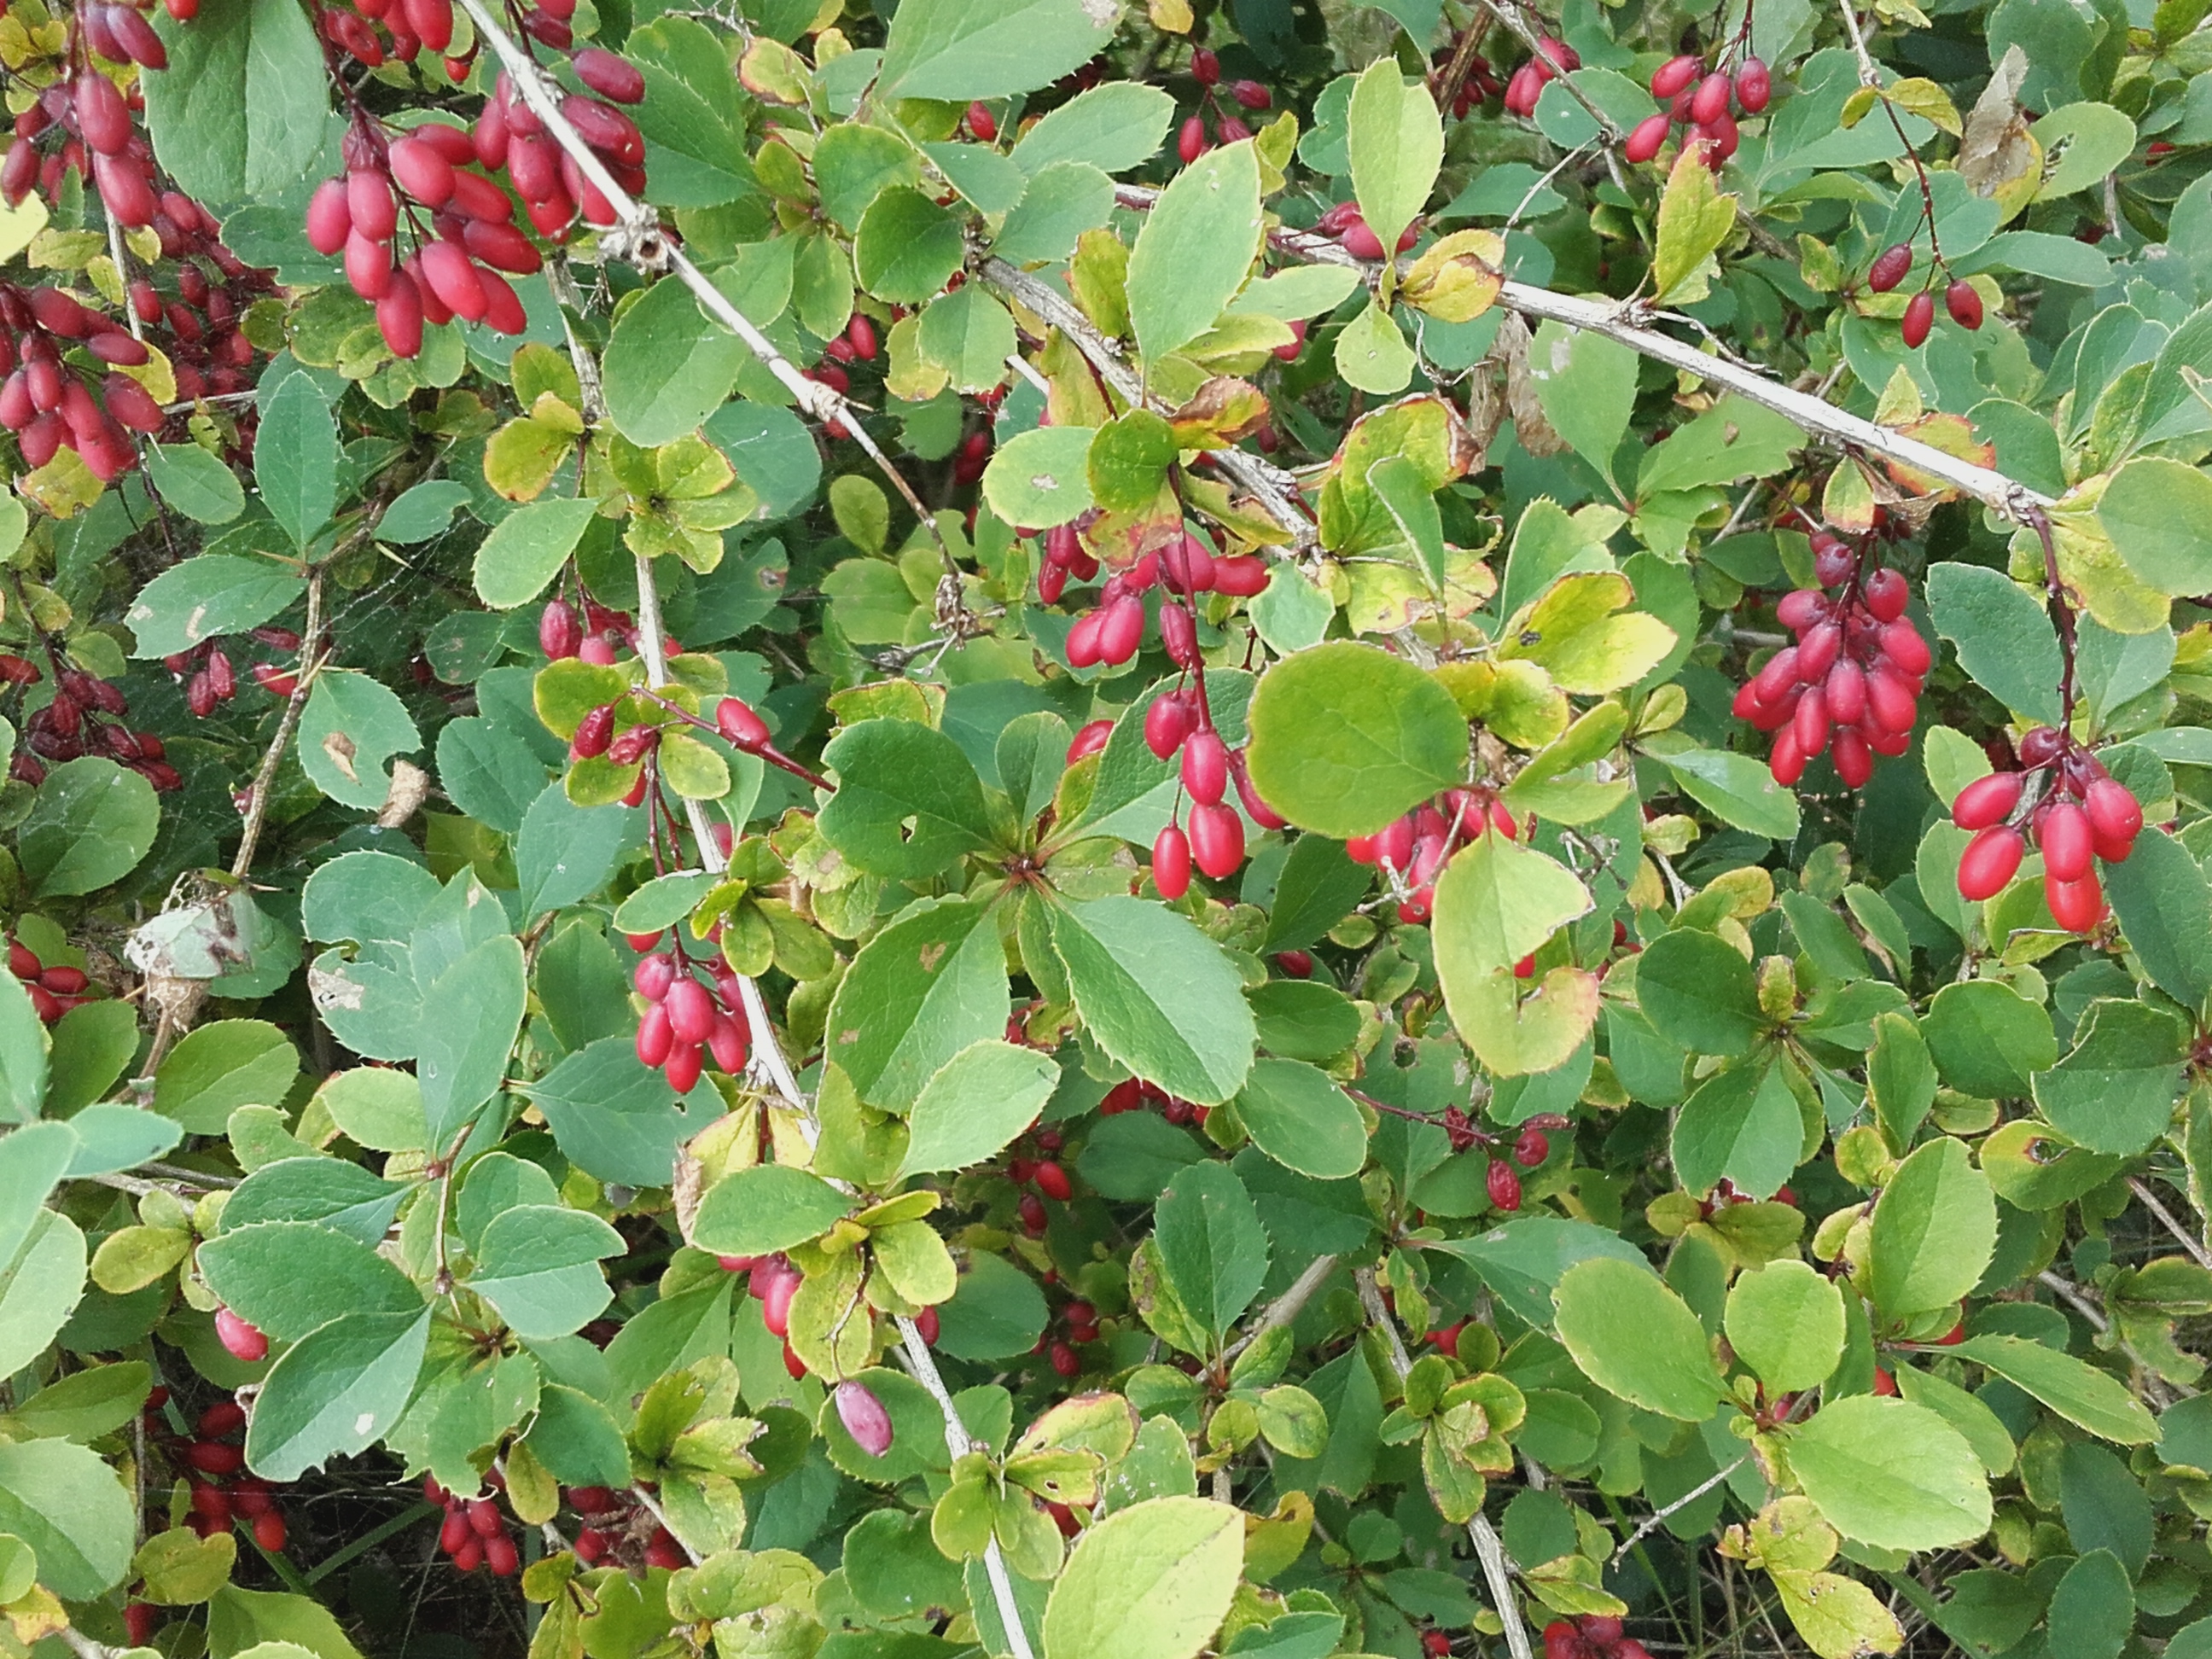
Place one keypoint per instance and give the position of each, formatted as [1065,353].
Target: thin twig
[1286,1307]
[1489,1547]
[2181,1234]
[257,798]
[1658,1518]
[2007,495]
[916,1354]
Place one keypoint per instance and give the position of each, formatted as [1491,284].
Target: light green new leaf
[976,1103]
[1195,248]
[1346,738]
[1149,1582]
[1694,220]
[526,549]
[1785,1321]
[1935,1227]
[1891,1473]
[2158,514]
[766,1208]
[2079,1392]
[1371,352]
[1496,902]
[1038,478]
[1396,141]
[956,50]
[1632,1336]
[65,1503]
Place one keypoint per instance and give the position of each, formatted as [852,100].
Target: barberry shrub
[1022,828]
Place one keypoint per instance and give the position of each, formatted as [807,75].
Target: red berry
[242,1340]
[1890,267]
[1190,142]
[1853,757]
[1204,67]
[1065,1360]
[1754,86]
[982,123]
[1987,800]
[1964,301]
[1171,862]
[140,1620]
[1090,740]
[2114,813]
[2040,745]
[1251,94]
[1990,861]
[1503,1185]
[225,1416]
[269,1531]
[1919,317]
[500,1555]
[1031,1208]
[1217,839]
[1643,144]
[1532,1148]
[864,1417]
[735,719]
[1886,593]
[1673,75]
[1711,101]
[1052,1180]
[2075,905]
[1902,644]
[2062,836]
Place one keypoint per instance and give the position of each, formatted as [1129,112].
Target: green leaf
[422,513]
[2005,640]
[221,1066]
[337,1392]
[214,593]
[65,1503]
[1371,352]
[1396,142]
[2093,1608]
[956,50]
[1112,127]
[968,335]
[1128,461]
[1156,995]
[1698,994]
[526,550]
[1988,1040]
[296,469]
[1062,202]
[538,1265]
[23,1072]
[854,163]
[1735,439]
[1736,789]
[976,1105]
[1523,1261]
[612,1117]
[1785,1321]
[1587,387]
[1695,219]
[1891,1473]
[488,773]
[1149,1582]
[351,727]
[1299,1117]
[39,1287]
[1496,902]
[2115,1091]
[906,247]
[1039,479]
[909,803]
[766,1208]
[920,991]
[1195,247]
[471,1012]
[998,1312]
[290,1277]
[772,452]
[1935,1229]
[2080,1393]
[1900,1076]
[1742,1123]
[92,822]
[2158,514]
[1632,1336]
[2164,905]
[1346,738]
[241,113]
[195,482]
[1212,1245]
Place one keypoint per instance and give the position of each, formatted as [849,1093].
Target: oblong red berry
[1676,73]
[1754,86]
[2114,814]
[2062,836]
[1890,267]
[1217,839]
[1990,861]
[1964,301]
[609,75]
[1919,317]
[1902,644]
[1167,723]
[1886,593]
[1205,767]
[1987,800]
[1644,140]
[1171,862]
[1712,99]
[2075,905]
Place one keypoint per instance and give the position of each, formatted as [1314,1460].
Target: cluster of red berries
[456,265]
[1530,1147]
[220,1492]
[1529,81]
[82,719]
[2079,814]
[1852,680]
[857,344]
[1960,297]
[1413,849]
[1481,81]
[621,1532]
[1079,1325]
[686,1021]
[1180,722]
[1193,141]
[1112,630]
[474,1533]
[203,334]
[100,141]
[210,679]
[1137,1094]
[53,991]
[772,1281]
[1591,1636]
[52,402]
[380,31]
[1039,1175]
[1350,227]
[1702,101]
